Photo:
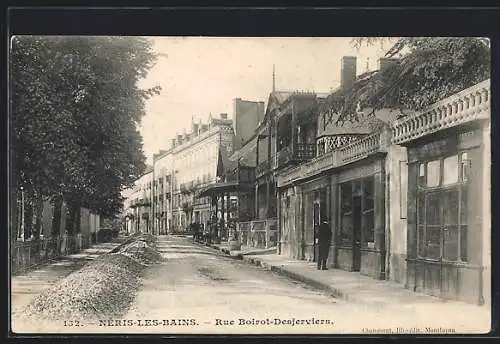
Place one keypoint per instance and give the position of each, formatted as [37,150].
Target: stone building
[195,156]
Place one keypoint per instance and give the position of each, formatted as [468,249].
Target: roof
[148,169]
[278,98]
[281,96]
[247,153]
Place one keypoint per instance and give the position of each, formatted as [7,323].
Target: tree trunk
[78,218]
[56,217]
[28,214]
[72,225]
[14,212]
[38,217]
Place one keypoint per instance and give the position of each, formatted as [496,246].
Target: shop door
[356,233]
[320,214]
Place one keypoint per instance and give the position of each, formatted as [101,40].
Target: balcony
[295,154]
[469,105]
[351,152]
[263,168]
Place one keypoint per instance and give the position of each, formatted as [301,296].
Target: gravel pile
[146,237]
[104,287]
[146,255]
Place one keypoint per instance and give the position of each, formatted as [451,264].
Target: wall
[246,117]
[486,210]
[289,223]
[396,213]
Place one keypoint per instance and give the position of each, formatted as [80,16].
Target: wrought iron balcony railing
[297,152]
[354,151]
[263,168]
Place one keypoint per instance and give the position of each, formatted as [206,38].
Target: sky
[200,76]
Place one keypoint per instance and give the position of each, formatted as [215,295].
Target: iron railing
[25,255]
[258,233]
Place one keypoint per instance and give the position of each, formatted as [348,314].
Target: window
[442,208]
[465,167]
[368,213]
[433,173]
[346,230]
[450,170]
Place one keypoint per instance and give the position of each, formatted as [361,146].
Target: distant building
[138,204]
[195,155]
[247,115]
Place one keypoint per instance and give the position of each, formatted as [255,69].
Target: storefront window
[363,216]
[433,173]
[442,210]
[368,220]
[346,213]
[421,175]
[450,170]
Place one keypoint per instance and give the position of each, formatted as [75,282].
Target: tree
[75,109]
[427,70]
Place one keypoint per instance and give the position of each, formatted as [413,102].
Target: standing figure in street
[195,231]
[324,240]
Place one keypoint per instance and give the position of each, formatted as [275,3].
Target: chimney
[385,62]
[348,72]
[179,139]
[173,142]
[223,115]
[196,128]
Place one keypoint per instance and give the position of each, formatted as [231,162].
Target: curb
[332,291]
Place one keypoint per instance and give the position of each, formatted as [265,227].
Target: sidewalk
[24,287]
[382,295]
[245,250]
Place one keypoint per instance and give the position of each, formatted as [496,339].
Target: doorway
[320,213]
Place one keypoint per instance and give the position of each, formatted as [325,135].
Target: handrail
[468,105]
[348,153]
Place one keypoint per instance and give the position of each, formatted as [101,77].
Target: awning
[218,188]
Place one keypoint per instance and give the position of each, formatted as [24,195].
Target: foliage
[427,70]
[75,109]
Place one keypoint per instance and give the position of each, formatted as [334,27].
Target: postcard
[271,185]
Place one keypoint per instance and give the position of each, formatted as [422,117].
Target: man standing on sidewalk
[324,240]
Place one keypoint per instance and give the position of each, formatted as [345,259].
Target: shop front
[359,209]
[346,188]
[448,197]
[316,200]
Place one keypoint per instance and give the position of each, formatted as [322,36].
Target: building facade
[190,164]
[138,207]
[448,236]
[399,199]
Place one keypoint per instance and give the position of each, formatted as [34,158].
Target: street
[197,283]
[197,290]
